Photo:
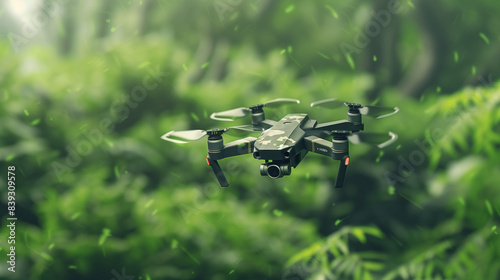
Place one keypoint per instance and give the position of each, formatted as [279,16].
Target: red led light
[346,161]
[208,161]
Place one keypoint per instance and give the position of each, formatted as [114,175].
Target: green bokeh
[88,87]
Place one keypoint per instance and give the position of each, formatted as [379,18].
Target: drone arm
[319,146]
[267,123]
[238,147]
[339,125]
[323,147]
[235,148]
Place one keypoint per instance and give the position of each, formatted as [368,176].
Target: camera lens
[273,171]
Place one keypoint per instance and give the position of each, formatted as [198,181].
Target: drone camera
[274,170]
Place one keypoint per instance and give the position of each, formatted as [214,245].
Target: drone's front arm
[217,150]
[337,149]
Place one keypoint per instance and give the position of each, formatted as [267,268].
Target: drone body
[283,144]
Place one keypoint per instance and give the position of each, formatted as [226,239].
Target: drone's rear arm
[337,149]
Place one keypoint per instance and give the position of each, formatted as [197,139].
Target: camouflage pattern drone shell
[282,138]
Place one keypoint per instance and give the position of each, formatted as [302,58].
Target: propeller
[381,140]
[330,103]
[234,113]
[280,101]
[244,111]
[191,135]
[377,112]
[188,135]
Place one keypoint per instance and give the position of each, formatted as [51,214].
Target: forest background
[88,87]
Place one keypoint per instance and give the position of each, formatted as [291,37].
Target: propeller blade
[234,113]
[188,135]
[330,103]
[378,112]
[243,111]
[381,140]
[280,101]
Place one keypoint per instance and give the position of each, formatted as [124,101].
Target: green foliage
[470,124]
[129,200]
[332,258]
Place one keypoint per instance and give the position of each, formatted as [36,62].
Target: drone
[283,144]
